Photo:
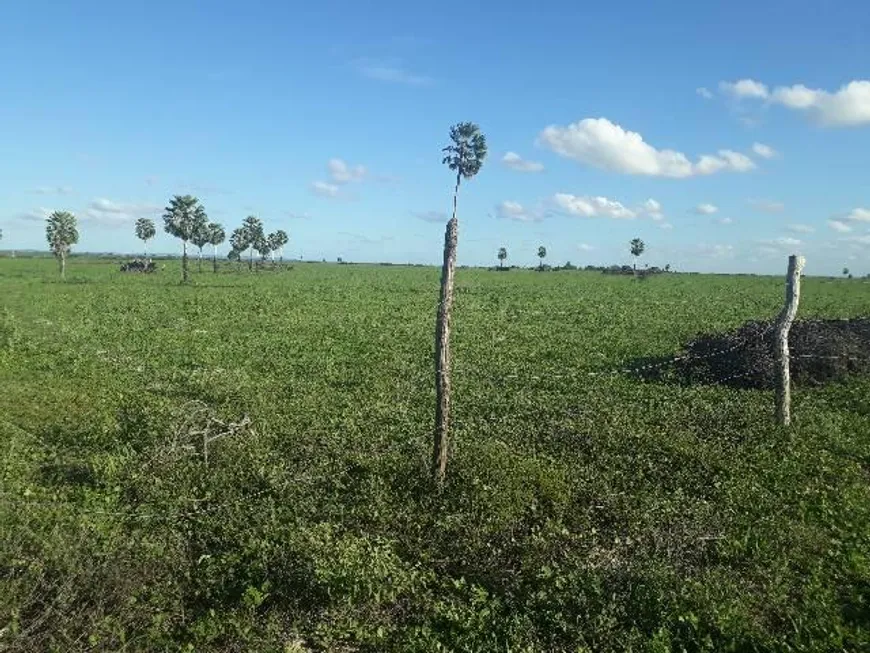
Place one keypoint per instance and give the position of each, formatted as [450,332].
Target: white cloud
[706,209]
[744,88]
[801,228]
[861,240]
[704,93]
[848,106]
[324,189]
[391,72]
[782,241]
[430,216]
[764,151]
[603,144]
[839,226]
[583,247]
[666,225]
[515,162]
[509,210]
[341,173]
[768,206]
[653,209]
[592,207]
[35,215]
[53,190]
[110,213]
[859,215]
[715,250]
[725,221]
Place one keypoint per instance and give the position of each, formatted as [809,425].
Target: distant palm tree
[846,272]
[201,238]
[542,254]
[637,248]
[216,235]
[145,231]
[239,242]
[277,240]
[253,228]
[502,255]
[61,233]
[184,218]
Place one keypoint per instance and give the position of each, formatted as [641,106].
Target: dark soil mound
[821,351]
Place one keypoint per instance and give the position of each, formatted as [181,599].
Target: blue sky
[746,123]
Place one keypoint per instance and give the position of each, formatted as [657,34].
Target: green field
[582,512]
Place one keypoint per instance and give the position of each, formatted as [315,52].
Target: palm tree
[542,254]
[845,272]
[277,240]
[263,246]
[201,238]
[253,227]
[61,233]
[145,231]
[216,235]
[239,241]
[464,156]
[637,248]
[184,218]
[502,255]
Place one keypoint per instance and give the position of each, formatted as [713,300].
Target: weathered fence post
[783,326]
[442,355]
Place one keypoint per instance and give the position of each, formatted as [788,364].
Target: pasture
[584,509]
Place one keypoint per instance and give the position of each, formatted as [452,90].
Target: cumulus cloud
[584,247]
[764,151]
[341,173]
[768,206]
[110,213]
[859,215]
[653,209]
[706,209]
[592,207]
[324,189]
[744,88]
[839,226]
[509,210]
[848,106]
[704,93]
[606,145]
[801,228]
[515,162]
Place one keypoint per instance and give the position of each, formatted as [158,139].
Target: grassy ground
[583,512]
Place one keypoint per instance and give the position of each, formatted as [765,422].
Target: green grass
[583,512]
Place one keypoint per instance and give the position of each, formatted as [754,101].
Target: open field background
[582,512]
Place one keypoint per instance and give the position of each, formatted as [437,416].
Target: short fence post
[442,355]
[783,326]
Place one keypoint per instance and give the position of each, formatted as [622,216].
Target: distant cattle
[138,265]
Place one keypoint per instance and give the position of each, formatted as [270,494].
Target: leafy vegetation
[61,232]
[242,463]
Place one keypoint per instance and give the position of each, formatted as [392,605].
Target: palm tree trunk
[146,248]
[199,262]
[214,260]
[184,262]
[251,261]
[442,347]
[63,265]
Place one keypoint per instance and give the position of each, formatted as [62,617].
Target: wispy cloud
[764,151]
[767,206]
[706,209]
[704,93]
[392,72]
[342,173]
[510,210]
[34,215]
[801,228]
[430,216]
[109,213]
[53,190]
[324,189]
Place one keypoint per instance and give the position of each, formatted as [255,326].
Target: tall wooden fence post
[783,326]
[442,355]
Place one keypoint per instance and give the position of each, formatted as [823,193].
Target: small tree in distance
[846,272]
[216,235]
[145,231]
[502,255]
[277,240]
[637,248]
[253,227]
[542,254]
[239,242]
[183,218]
[201,238]
[61,233]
